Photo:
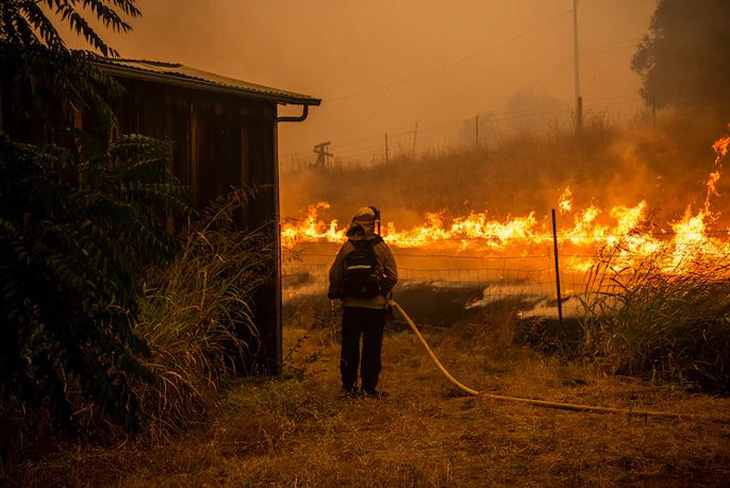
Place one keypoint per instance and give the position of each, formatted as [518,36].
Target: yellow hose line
[529,401]
[430,352]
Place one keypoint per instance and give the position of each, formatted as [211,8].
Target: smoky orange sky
[383,65]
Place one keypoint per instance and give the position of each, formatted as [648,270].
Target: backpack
[361,278]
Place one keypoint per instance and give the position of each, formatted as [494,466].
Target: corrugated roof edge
[169,73]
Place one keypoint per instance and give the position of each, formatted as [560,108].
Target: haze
[382,65]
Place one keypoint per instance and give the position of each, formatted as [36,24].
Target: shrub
[75,234]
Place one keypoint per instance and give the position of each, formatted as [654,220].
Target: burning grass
[655,290]
[624,229]
[603,189]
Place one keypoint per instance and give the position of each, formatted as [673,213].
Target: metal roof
[180,75]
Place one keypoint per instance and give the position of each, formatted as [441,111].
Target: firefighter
[362,276]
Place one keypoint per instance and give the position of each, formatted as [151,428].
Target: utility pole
[576,66]
[322,154]
[415,137]
[387,156]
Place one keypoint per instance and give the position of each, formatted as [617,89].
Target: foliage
[39,72]
[75,234]
[37,83]
[683,59]
[196,316]
[666,325]
[28,23]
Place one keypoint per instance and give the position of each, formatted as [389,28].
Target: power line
[432,71]
[557,108]
[606,48]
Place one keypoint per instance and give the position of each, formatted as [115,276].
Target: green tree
[39,71]
[76,232]
[29,23]
[683,59]
[78,225]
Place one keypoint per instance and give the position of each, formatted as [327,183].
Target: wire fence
[528,279]
[528,273]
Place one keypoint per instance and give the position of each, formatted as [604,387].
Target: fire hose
[529,401]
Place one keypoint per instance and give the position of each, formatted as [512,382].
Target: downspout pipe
[300,118]
[277,364]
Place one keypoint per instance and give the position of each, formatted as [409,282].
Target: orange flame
[565,205]
[721,148]
[622,229]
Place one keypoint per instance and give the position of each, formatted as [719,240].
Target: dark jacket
[386,266]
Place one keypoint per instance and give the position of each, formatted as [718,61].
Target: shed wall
[220,143]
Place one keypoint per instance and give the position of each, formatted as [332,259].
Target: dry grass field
[298,431]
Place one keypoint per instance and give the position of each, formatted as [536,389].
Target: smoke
[613,165]
[380,66]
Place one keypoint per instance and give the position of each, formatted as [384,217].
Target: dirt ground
[298,431]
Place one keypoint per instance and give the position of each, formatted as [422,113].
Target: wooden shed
[225,137]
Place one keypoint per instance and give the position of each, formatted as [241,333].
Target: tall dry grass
[653,321]
[197,317]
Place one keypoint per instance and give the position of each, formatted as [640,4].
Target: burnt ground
[298,431]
